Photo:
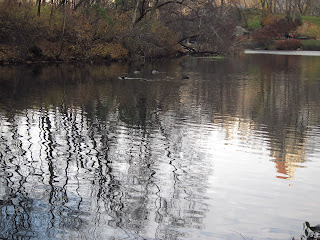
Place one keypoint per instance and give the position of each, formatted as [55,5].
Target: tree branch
[143,12]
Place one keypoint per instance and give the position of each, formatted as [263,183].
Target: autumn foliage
[110,30]
[90,33]
[58,34]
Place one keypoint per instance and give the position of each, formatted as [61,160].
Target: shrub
[151,39]
[109,51]
[282,26]
[289,44]
[46,37]
[266,35]
[263,37]
[299,20]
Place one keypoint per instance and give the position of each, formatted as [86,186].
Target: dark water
[231,152]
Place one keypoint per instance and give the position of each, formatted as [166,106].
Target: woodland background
[113,30]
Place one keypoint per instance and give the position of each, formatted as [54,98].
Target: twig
[239,234]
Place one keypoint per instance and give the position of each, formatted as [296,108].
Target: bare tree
[209,24]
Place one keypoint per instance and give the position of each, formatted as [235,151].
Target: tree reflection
[81,149]
[273,94]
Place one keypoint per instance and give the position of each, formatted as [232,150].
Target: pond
[204,148]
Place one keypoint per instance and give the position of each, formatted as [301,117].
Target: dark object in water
[123,77]
[311,232]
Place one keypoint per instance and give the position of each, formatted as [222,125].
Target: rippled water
[230,152]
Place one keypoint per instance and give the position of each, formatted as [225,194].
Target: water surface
[230,152]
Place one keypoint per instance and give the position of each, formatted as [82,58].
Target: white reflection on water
[242,191]
[283,52]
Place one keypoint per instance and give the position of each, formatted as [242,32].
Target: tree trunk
[288,9]
[135,14]
[222,5]
[63,30]
[294,10]
[308,4]
[263,3]
[39,8]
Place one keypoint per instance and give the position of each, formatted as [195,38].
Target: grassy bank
[311,45]
[310,27]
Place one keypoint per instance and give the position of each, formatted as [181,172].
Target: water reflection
[85,155]
[274,95]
